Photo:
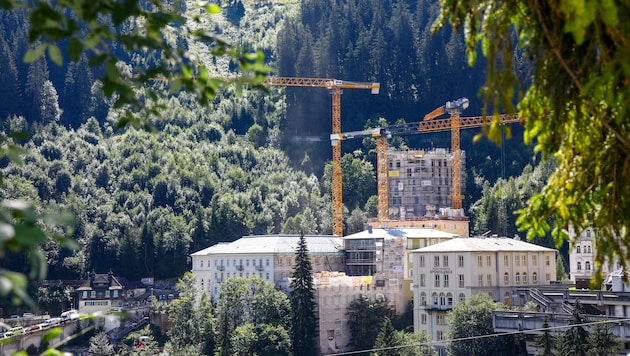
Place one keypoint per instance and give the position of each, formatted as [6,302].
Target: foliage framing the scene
[575,105]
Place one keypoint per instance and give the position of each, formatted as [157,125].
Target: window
[445,261]
[547,262]
[578,250]
[442,299]
[524,260]
[106,294]
[518,278]
[440,319]
[267,276]
[436,261]
[421,261]
[524,277]
[446,281]
[267,262]
[579,266]
[440,335]
[535,260]
[247,262]
[479,261]
[460,261]
[489,280]
[461,281]
[201,263]
[588,249]
[449,299]
[422,280]
[506,261]
[506,278]
[587,265]
[423,318]
[535,277]
[437,280]
[517,260]
[488,261]
[423,298]
[92,294]
[548,276]
[480,277]
[462,297]
[435,298]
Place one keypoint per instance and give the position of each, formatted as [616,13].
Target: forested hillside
[143,201]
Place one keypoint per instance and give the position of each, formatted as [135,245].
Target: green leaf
[213,8]
[75,48]
[55,54]
[7,231]
[32,54]
[29,235]
[51,335]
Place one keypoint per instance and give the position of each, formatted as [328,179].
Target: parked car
[28,315]
[69,315]
[52,322]
[33,328]
[18,330]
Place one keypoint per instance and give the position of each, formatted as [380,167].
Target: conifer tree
[302,297]
[572,342]
[544,342]
[387,340]
[602,341]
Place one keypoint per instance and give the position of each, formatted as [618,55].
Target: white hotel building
[271,257]
[451,271]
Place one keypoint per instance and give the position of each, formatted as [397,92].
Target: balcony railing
[240,267]
[221,268]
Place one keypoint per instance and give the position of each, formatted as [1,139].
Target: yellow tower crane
[455,123]
[335,86]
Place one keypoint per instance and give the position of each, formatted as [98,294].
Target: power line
[529,331]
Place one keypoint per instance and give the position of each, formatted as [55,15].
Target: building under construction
[420,184]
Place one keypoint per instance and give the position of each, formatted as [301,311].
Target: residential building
[420,182]
[582,257]
[334,292]
[102,291]
[271,257]
[451,271]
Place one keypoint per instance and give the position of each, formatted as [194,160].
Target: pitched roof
[274,244]
[485,244]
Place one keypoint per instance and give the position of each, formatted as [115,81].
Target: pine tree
[302,297]
[544,342]
[602,341]
[100,346]
[387,340]
[572,341]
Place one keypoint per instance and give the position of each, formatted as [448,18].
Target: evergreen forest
[143,201]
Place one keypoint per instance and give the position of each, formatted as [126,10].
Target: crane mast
[335,86]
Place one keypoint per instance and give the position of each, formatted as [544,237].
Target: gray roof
[408,232]
[484,244]
[274,244]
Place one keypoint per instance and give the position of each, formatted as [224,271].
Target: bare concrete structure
[420,182]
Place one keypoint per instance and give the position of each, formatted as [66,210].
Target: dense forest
[143,201]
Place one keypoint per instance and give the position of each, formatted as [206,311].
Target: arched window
[518,278]
[578,250]
[534,277]
[435,298]
[587,265]
[442,299]
[588,249]
[449,299]
[423,298]
[506,278]
[462,297]
[524,277]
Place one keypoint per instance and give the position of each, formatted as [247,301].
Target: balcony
[259,267]
[221,268]
[240,267]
